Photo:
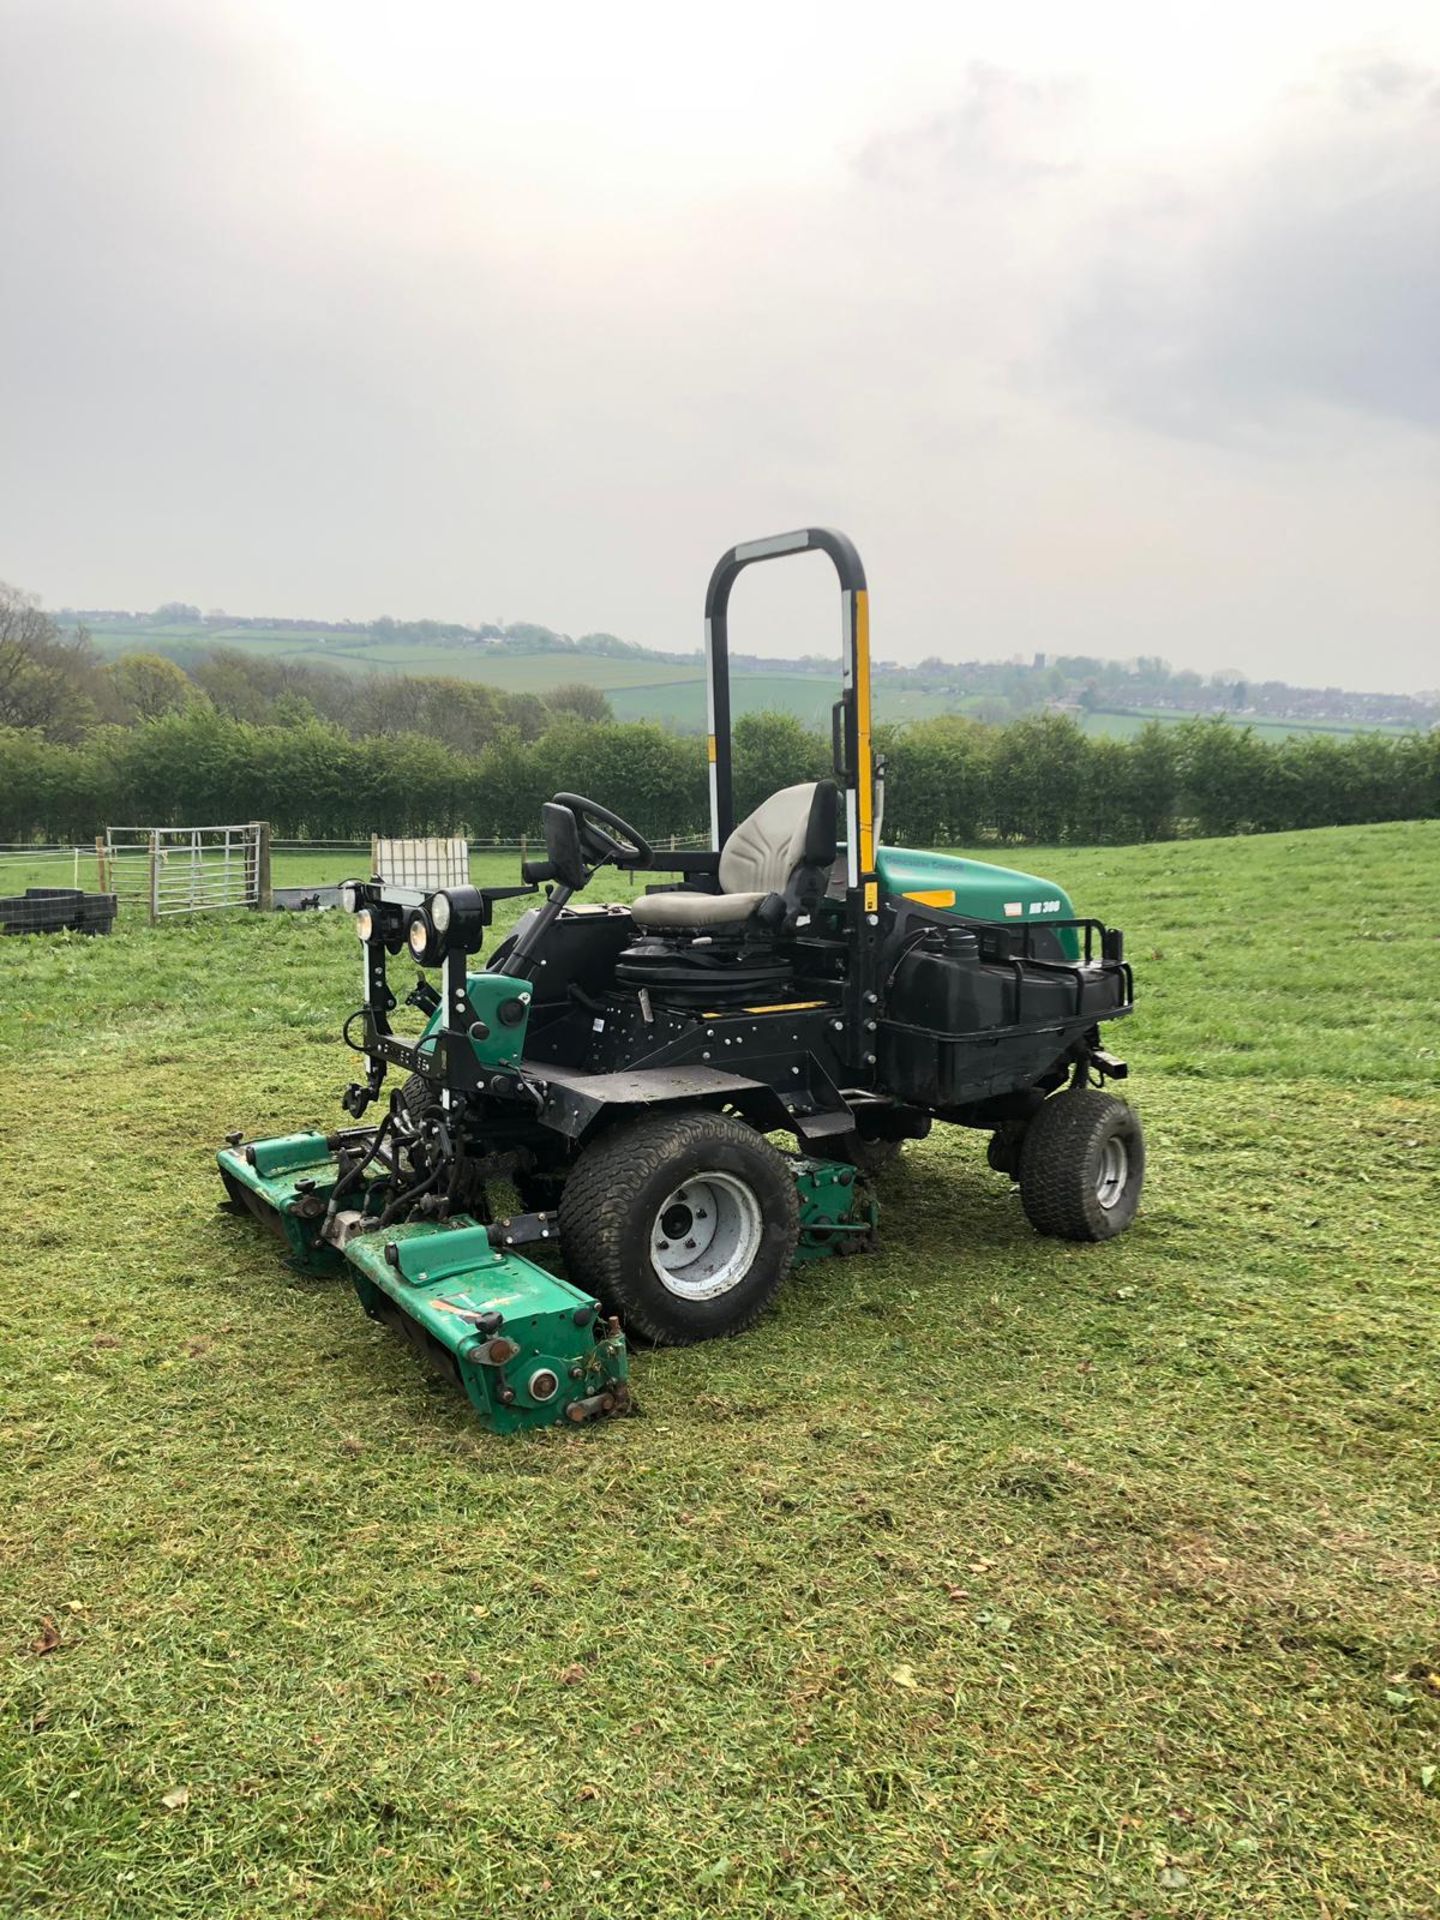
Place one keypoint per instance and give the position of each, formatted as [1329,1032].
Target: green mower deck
[526,1347]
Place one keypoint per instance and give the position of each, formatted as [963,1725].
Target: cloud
[302,327]
[1002,129]
[1300,281]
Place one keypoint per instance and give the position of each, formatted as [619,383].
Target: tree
[1038,771]
[229,678]
[49,676]
[1227,775]
[584,701]
[935,784]
[771,751]
[146,685]
[525,713]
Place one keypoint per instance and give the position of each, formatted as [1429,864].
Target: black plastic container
[56,909]
[947,1010]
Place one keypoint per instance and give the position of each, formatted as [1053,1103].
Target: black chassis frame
[784,1066]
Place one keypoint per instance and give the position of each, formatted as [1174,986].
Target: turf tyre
[416,1094]
[613,1205]
[1082,1166]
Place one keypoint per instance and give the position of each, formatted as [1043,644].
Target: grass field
[990,1576]
[1125,725]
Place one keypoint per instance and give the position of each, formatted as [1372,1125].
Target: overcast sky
[1105,328]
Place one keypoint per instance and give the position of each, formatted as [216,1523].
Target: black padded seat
[781,854]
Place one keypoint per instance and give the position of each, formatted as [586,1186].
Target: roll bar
[853,757]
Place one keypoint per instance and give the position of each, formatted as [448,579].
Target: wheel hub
[1112,1173]
[705,1236]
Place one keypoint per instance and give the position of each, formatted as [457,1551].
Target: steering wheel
[622,844]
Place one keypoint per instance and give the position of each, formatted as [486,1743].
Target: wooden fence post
[264,893]
[100,872]
[154,875]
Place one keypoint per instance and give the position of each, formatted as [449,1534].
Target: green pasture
[1125,725]
[989,1576]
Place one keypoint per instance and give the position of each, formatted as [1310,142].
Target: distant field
[808,696]
[1125,725]
[673,694]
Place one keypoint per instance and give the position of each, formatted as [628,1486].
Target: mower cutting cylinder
[526,1347]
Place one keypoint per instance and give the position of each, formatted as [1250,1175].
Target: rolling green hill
[638,687]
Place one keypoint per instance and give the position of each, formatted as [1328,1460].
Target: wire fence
[525,843]
[25,866]
[150,873]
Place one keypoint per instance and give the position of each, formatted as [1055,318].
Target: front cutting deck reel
[626,1069]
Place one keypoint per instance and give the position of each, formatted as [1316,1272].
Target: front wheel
[683,1223]
[1082,1165]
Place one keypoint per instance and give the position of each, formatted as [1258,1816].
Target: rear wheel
[875,1158]
[683,1223]
[1082,1165]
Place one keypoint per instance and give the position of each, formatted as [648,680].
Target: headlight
[419,936]
[440,912]
[349,896]
[364,922]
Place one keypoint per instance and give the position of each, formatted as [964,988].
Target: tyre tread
[597,1209]
[1056,1145]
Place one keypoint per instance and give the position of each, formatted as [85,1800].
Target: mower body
[625,1066]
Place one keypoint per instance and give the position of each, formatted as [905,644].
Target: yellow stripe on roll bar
[864,778]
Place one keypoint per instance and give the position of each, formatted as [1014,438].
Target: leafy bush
[949,780]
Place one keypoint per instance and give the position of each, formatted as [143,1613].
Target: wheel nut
[690,1243]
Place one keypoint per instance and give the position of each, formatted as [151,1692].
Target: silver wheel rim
[1112,1175]
[704,1237]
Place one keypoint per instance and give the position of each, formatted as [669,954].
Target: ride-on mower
[624,1066]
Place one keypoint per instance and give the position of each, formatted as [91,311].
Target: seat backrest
[789,835]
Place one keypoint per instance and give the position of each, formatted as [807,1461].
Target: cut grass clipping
[990,1575]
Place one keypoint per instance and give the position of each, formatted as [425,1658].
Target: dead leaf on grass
[177,1798]
[904,1676]
[49,1638]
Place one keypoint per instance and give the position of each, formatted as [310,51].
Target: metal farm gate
[169,870]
